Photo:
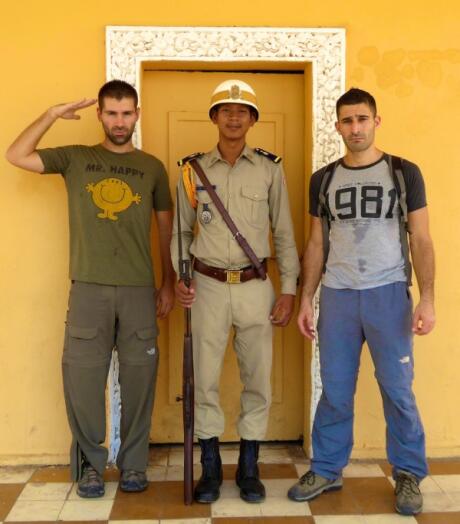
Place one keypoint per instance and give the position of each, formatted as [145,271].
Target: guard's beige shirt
[254,193]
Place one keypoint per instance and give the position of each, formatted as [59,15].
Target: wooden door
[175,123]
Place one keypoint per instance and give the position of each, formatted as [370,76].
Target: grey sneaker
[133,481]
[91,484]
[409,500]
[311,485]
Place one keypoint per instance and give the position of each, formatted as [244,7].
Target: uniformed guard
[229,286]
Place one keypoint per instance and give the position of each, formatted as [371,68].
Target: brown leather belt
[231,276]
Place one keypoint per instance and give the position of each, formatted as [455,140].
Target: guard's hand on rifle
[282,310]
[185,295]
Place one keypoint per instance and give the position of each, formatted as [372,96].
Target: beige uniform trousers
[246,307]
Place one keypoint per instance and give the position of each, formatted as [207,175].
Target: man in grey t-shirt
[364,292]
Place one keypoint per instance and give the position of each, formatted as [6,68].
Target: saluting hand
[282,310]
[185,295]
[68,110]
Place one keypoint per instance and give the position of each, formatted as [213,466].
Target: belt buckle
[233,276]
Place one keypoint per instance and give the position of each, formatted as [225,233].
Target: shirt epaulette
[188,158]
[271,156]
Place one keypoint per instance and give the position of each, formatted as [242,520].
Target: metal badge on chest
[206,215]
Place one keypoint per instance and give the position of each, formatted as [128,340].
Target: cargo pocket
[82,346]
[147,333]
[255,205]
[140,348]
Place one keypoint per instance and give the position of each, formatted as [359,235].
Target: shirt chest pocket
[255,205]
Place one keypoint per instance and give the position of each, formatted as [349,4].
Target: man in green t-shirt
[112,189]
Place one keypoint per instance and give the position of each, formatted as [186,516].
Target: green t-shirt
[111,197]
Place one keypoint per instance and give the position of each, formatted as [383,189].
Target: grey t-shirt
[365,248]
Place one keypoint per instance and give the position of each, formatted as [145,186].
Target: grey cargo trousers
[100,319]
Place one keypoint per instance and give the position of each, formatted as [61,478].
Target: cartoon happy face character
[112,195]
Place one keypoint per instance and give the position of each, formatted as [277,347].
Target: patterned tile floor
[45,494]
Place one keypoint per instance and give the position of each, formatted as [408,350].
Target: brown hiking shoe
[409,500]
[311,485]
[133,481]
[91,484]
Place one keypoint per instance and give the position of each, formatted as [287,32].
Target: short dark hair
[117,89]
[356,96]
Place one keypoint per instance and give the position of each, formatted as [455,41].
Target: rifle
[188,388]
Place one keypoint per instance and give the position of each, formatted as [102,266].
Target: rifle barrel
[187,373]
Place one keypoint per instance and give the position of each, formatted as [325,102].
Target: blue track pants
[382,316]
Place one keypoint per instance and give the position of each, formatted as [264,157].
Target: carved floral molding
[128,47]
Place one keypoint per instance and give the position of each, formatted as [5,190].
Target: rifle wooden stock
[188,409]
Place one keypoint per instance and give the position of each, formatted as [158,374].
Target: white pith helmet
[234,92]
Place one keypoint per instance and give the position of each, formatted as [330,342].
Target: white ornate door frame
[129,47]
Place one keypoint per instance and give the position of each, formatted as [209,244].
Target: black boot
[247,474]
[207,489]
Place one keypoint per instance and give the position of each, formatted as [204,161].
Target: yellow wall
[51,52]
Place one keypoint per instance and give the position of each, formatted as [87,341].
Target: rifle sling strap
[228,220]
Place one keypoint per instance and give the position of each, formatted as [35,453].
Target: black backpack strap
[396,168]
[324,212]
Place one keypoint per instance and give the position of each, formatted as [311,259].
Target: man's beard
[119,140]
[357,147]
